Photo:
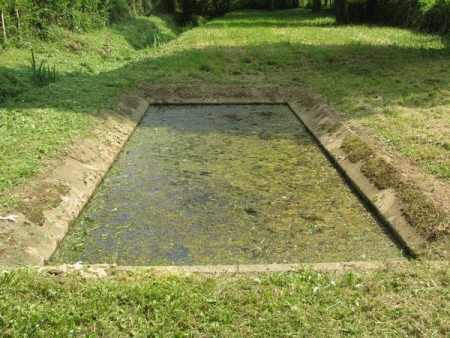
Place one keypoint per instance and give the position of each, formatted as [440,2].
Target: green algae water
[237,184]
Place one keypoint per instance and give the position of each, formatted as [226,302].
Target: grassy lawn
[409,301]
[90,71]
[392,81]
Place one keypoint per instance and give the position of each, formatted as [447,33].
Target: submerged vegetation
[224,185]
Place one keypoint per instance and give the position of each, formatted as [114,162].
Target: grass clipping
[429,219]
[356,148]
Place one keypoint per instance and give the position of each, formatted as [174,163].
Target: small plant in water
[42,74]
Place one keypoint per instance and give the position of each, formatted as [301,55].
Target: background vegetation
[426,15]
[24,20]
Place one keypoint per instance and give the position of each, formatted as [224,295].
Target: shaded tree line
[213,8]
[31,19]
[426,15]
[24,19]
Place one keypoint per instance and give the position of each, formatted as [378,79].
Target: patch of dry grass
[381,173]
[356,148]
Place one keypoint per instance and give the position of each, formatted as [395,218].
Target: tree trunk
[316,5]
[2,18]
[445,24]
[187,10]
[18,24]
[341,12]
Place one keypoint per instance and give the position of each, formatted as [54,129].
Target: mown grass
[40,121]
[400,302]
[390,80]
[393,81]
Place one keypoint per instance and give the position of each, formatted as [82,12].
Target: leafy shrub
[437,18]
[30,19]
[119,11]
[197,20]
[154,38]
[429,15]
[401,13]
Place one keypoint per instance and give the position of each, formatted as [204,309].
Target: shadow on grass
[292,18]
[14,82]
[339,71]
[150,35]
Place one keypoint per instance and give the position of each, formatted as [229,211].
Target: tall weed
[42,74]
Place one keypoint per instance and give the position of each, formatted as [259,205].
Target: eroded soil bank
[228,184]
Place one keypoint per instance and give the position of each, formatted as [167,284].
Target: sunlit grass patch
[39,122]
[392,81]
[30,136]
[381,173]
[429,219]
[143,303]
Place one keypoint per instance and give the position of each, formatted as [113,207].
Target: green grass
[390,302]
[356,148]
[393,81]
[40,122]
[390,80]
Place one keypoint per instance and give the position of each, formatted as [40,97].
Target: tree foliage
[31,19]
[22,20]
[427,15]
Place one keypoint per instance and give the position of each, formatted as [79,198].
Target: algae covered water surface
[224,185]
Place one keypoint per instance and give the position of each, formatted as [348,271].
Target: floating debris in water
[200,185]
